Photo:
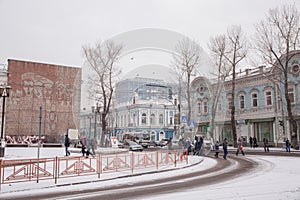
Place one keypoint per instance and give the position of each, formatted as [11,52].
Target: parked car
[162,142]
[148,143]
[131,145]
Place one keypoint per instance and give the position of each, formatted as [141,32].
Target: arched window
[268,97]
[161,119]
[152,119]
[144,119]
[254,99]
[241,101]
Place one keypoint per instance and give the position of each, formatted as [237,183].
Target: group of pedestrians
[225,148]
[253,144]
[86,149]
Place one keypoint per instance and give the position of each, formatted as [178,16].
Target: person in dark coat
[266,144]
[217,146]
[251,141]
[67,144]
[201,146]
[225,148]
[254,142]
[287,146]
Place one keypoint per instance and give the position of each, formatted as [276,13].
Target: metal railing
[21,170]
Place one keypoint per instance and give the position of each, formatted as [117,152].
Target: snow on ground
[275,178]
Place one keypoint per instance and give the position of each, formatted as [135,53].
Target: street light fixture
[4,92]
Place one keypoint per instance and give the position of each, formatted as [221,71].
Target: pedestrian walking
[225,146]
[251,141]
[254,142]
[217,145]
[197,146]
[201,146]
[287,146]
[266,144]
[239,147]
[67,144]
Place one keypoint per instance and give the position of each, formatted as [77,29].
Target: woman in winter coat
[240,147]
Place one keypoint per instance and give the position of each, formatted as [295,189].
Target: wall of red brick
[56,88]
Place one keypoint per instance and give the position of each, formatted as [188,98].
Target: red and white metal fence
[21,170]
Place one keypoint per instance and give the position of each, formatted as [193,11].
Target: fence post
[99,167]
[1,171]
[156,160]
[175,159]
[55,170]
[132,162]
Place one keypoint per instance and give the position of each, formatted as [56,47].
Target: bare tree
[103,59]
[186,60]
[217,47]
[236,50]
[277,39]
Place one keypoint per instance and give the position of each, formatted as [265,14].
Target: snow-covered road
[275,178]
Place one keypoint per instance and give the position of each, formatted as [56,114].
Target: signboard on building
[73,134]
[184,119]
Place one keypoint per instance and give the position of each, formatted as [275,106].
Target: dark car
[148,143]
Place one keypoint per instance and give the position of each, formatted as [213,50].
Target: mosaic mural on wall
[54,88]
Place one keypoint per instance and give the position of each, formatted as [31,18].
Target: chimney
[247,71]
[261,69]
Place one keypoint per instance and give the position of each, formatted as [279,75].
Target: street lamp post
[4,92]
[96,111]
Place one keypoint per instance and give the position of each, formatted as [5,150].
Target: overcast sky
[53,31]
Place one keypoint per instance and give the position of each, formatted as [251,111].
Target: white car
[133,146]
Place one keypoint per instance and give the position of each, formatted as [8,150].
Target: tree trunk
[104,127]
[233,125]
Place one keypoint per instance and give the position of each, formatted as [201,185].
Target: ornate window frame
[242,100]
[144,119]
[254,99]
[268,93]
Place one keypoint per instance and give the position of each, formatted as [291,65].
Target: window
[291,94]
[199,107]
[268,98]
[152,119]
[254,100]
[230,104]
[242,101]
[144,119]
[171,120]
[161,119]
[205,106]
